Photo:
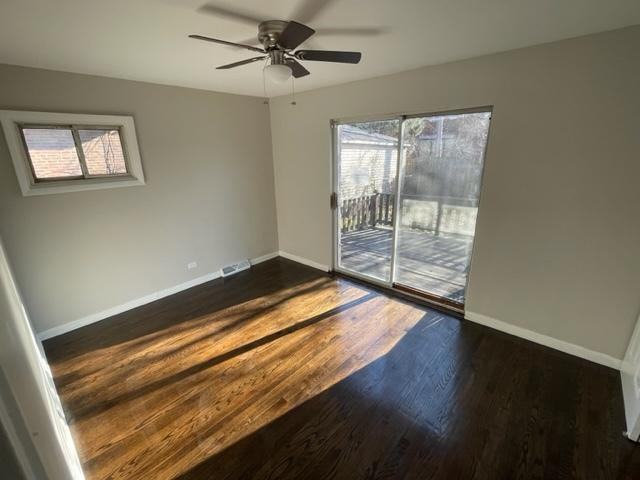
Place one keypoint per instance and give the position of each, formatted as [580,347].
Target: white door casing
[31,383]
[630,375]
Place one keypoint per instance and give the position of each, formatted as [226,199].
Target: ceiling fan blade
[241,62]
[237,15]
[294,34]
[297,69]
[224,42]
[355,31]
[253,41]
[308,10]
[328,56]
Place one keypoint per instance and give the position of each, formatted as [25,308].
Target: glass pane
[442,171]
[103,152]
[367,164]
[52,152]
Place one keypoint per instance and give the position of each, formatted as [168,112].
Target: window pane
[440,188]
[367,164]
[52,152]
[103,152]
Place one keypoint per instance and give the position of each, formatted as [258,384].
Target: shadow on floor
[142,324]
[450,400]
[84,408]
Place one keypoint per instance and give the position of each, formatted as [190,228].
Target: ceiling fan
[279,39]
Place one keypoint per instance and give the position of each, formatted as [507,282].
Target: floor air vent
[234,268]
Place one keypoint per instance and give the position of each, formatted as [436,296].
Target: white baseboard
[263,258]
[561,345]
[304,261]
[109,312]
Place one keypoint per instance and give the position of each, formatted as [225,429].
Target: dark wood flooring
[285,372]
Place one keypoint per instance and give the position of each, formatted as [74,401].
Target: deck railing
[422,212]
[367,211]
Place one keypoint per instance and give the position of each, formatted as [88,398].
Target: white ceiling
[147,39]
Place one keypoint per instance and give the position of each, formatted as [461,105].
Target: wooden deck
[436,264]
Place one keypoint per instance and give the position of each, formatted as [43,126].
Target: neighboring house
[368,162]
[54,154]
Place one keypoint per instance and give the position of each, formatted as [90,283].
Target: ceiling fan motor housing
[269,33]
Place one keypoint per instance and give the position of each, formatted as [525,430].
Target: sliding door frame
[397,202]
[391,285]
[335,187]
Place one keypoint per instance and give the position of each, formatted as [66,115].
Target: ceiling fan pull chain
[293,91]
[264,84]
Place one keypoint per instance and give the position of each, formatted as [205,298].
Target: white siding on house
[367,169]
[368,161]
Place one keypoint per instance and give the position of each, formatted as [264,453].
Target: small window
[73,152]
[56,152]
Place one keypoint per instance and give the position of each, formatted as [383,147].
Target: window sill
[81,185]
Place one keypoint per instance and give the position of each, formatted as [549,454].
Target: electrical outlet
[192,265]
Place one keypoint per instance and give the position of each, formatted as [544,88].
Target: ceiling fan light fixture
[277,73]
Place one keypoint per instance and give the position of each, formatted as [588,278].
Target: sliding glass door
[410,224]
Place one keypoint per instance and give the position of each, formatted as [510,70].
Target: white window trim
[11,119]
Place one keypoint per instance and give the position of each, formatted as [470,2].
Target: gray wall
[209,196]
[559,229]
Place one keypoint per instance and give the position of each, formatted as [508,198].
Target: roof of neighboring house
[353,134]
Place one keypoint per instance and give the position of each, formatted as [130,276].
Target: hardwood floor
[285,372]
